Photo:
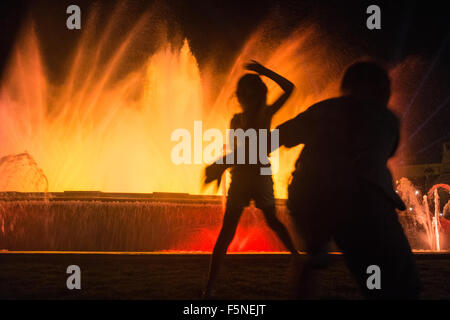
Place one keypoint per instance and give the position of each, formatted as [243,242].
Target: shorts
[245,187]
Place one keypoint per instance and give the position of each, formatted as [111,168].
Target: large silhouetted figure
[247,183]
[342,190]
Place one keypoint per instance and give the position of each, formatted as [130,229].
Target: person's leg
[398,274]
[264,198]
[275,224]
[313,220]
[226,235]
[306,275]
[306,267]
[374,236]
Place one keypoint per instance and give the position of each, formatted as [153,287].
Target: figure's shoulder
[392,118]
[329,107]
[331,103]
[236,120]
[392,115]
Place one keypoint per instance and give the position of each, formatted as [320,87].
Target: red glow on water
[255,239]
[246,240]
[252,235]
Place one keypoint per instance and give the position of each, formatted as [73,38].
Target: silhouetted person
[247,183]
[341,188]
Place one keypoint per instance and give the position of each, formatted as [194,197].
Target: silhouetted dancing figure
[342,190]
[247,183]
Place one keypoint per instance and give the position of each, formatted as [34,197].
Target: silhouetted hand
[213,173]
[256,67]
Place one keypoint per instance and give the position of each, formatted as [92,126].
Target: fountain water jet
[106,126]
[418,214]
[20,172]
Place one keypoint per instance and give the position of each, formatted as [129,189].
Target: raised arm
[284,83]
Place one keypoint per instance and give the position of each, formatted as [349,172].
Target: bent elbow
[287,92]
[290,88]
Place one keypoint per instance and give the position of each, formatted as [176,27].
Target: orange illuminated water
[100,129]
[106,126]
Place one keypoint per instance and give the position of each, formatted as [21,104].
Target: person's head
[367,80]
[251,92]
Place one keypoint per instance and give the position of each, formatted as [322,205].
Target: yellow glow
[97,131]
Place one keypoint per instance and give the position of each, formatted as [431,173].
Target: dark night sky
[408,28]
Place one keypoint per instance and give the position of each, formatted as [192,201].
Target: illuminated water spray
[418,209]
[106,126]
[436,219]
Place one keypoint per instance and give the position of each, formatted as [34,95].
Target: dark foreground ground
[174,276]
